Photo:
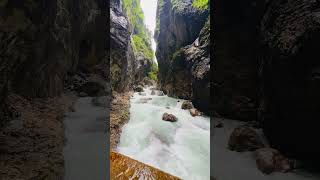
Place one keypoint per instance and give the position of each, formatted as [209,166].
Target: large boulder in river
[187,105]
[245,139]
[269,160]
[169,117]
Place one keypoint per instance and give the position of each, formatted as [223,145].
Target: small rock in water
[169,117]
[245,139]
[83,94]
[144,100]
[218,124]
[138,88]
[269,160]
[160,93]
[142,94]
[168,107]
[153,92]
[178,101]
[186,105]
[194,112]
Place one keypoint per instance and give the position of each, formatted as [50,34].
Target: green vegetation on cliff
[141,37]
[201,4]
[153,74]
[140,46]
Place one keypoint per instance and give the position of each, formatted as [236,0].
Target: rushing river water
[181,148]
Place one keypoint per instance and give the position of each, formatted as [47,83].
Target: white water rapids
[180,148]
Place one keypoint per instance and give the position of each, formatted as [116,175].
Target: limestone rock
[244,139]
[169,117]
[187,105]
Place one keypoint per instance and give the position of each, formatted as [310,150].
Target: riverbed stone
[153,92]
[142,94]
[269,160]
[217,124]
[187,105]
[138,88]
[169,117]
[245,139]
[143,100]
[194,112]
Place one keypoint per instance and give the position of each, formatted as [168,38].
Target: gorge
[179,69]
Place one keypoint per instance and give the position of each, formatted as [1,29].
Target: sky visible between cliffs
[149,8]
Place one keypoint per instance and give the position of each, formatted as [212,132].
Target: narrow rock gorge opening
[160,108]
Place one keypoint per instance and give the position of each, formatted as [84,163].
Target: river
[181,148]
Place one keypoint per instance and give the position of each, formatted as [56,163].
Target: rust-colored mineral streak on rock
[123,168]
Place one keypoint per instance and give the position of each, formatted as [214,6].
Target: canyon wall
[43,45]
[265,69]
[129,63]
[183,34]
[289,73]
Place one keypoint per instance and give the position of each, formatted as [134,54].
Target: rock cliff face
[290,100]
[266,69]
[122,57]
[183,51]
[42,44]
[236,39]
[127,66]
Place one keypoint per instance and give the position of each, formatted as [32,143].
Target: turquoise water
[181,148]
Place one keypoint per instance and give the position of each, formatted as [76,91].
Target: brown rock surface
[269,160]
[31,144]
[244,139]
[169,117]
[119,115]
[124,168]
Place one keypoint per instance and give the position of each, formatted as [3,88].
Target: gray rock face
[290,99]
[183,54]
[126,68]
[234,74]
[43,42]
[122,57]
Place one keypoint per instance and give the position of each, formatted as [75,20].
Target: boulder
[142,94]
[169,117]
[217,124]
[153,92]
[187,105]
[269,160]
[138,88]
[160,93]
[144,100]
[194,112]
[245,139]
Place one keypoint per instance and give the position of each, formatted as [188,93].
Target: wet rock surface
[123,168]
[245,139]
[183,52]
[270,160]
[169,117]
